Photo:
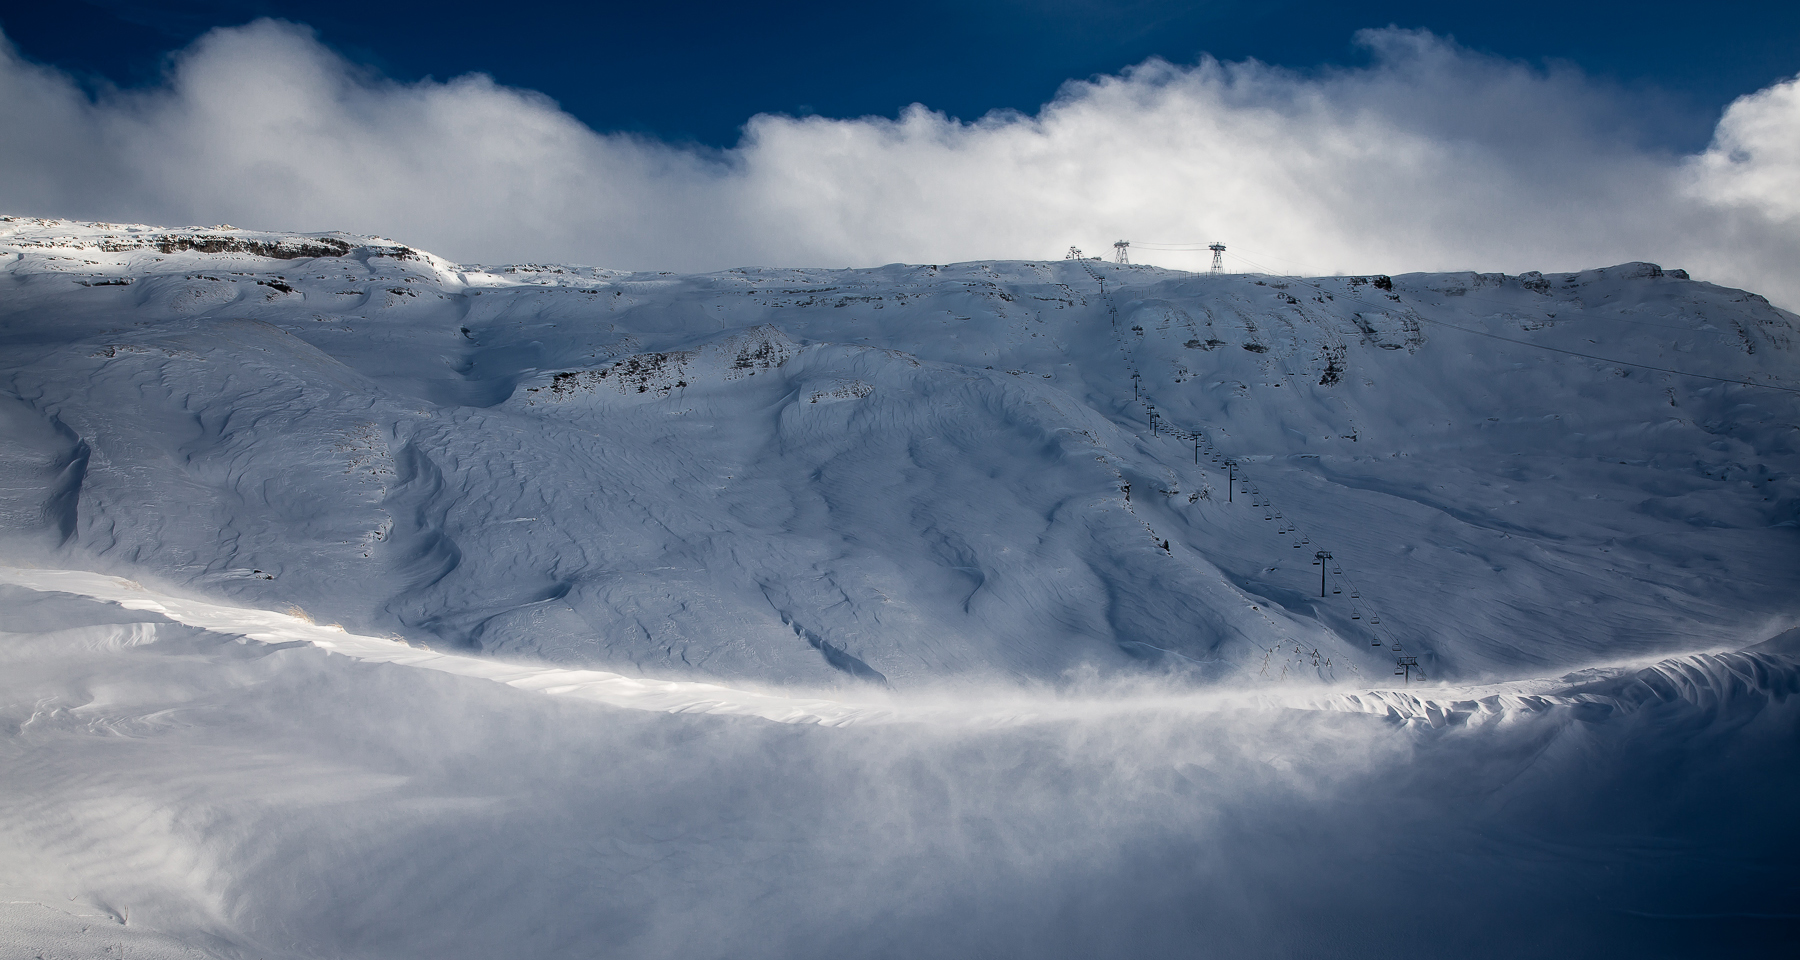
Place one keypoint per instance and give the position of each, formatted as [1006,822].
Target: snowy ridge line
[41,234]
[1538,346]
[1705,679]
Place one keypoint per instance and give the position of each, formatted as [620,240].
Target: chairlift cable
[1286,527]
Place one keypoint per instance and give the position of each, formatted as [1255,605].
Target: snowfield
[354,603]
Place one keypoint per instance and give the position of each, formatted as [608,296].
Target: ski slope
[355,603]
[908,473]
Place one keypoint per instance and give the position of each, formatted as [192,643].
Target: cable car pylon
[1323,559]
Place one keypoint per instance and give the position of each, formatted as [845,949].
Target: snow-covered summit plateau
[907,473]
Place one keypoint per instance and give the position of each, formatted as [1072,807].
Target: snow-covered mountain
[355,603]
[907,473]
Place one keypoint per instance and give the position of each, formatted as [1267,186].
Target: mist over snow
[175,794]
[1432,157]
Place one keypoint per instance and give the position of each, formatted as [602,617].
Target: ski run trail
[355,603]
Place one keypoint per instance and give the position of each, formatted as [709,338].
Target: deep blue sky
[697,71]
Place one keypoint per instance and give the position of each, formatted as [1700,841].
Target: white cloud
[1754,160]
[1432,157]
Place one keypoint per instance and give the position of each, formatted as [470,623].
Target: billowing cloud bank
[1431,158]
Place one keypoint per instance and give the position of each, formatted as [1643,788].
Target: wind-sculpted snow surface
[1019,557]
[900,474]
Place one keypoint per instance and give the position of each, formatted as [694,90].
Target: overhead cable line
[1287,528]
[1197,247]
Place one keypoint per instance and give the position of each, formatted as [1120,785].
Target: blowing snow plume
[1431,158]
[176,794]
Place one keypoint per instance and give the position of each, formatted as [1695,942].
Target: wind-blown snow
[171,793]
[1048,683]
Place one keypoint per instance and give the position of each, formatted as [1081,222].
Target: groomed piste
[362,604]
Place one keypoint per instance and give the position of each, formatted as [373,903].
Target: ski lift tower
[1218,250]
[1119,254]
[1074,254]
